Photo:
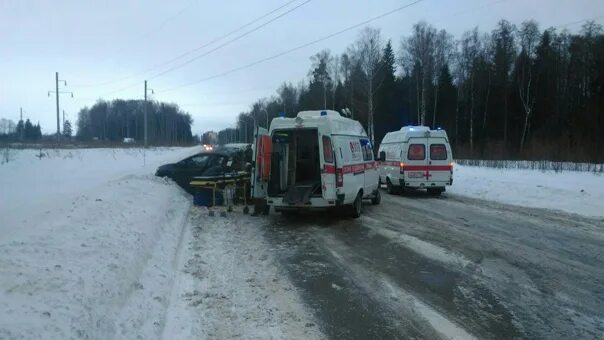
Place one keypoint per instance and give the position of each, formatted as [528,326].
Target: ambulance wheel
[377,198]
[390,188]
[435,191]
[357,206]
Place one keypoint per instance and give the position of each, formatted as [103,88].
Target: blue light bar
[282,114]
[323,113]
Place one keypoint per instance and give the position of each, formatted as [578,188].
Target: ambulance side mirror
[382,156]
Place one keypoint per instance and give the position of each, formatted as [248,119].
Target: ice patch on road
[423,248]
[400,302]
[442,325]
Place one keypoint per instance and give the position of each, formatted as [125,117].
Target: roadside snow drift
[574,192]
[89,239]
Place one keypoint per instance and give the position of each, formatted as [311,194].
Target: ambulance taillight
[339,178]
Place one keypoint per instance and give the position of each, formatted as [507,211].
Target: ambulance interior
[295,165]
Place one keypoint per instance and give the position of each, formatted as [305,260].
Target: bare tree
[469,54]
[288,95]
[369,48]
[418,53]
[321,61]
[348,63]
[443,52]
[504,50]
[529,36]
[334,70]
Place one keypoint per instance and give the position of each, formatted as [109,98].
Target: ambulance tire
[435,191]
[377,198]
[356,209]
[390,188]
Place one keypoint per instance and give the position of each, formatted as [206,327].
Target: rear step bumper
[440,184]
[314,203]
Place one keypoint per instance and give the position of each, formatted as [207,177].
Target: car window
[438,152]
[199,161]
[417,152]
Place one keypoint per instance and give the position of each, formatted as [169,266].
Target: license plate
[416,175]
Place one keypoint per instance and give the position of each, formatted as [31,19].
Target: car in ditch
[221,160]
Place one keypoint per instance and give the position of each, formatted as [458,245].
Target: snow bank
[88,243]
[574,192]
[28,181]
[230,285]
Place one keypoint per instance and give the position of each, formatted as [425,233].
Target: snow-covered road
[449,267]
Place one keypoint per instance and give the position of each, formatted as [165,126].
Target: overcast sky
[109,44]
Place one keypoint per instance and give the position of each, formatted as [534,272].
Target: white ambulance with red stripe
[317,160]
[416,158]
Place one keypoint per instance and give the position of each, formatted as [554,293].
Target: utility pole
[145,110]
[21,120]
[57,93]
[63,120]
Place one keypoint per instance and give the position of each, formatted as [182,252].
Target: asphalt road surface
[448,267]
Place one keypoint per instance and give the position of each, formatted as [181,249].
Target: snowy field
[570,191]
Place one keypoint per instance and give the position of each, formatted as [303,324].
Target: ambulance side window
[327,150]
[367,150]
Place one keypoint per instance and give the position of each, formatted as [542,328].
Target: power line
[189,52]
[579,21]
[230,41]
[214,49]
[349,28]
[142,37]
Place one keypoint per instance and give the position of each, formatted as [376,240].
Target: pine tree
[67,129]
[28,132]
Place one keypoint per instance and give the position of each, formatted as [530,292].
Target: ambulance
[317,160]
[416,158]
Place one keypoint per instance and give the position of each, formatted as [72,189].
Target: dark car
[221,161]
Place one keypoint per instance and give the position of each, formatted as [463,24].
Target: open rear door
[262,163]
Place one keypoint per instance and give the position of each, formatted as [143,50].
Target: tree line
[514,92]
[22,131]
[119,119]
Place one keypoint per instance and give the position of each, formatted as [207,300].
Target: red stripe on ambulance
[427,167]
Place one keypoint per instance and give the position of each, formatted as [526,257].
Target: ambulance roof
[337,124]
[407,132]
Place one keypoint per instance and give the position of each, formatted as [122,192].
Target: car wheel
[357,206]
[390,187]
[375,200]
